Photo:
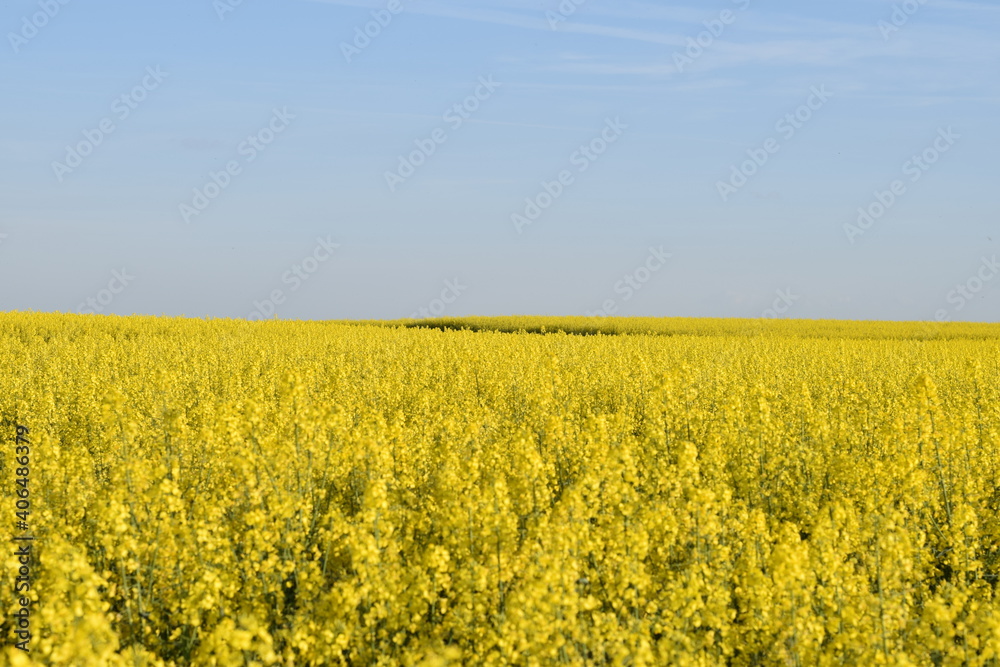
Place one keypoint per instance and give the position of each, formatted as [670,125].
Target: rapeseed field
[500,491]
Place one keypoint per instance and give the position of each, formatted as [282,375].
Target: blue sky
[714,156]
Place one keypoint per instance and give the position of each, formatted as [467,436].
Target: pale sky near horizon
[234,159]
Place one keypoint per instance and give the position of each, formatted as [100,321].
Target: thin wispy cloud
[758,37]
[533,20]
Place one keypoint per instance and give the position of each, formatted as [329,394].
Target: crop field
[500,491]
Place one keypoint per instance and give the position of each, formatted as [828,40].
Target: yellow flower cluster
[504,491]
